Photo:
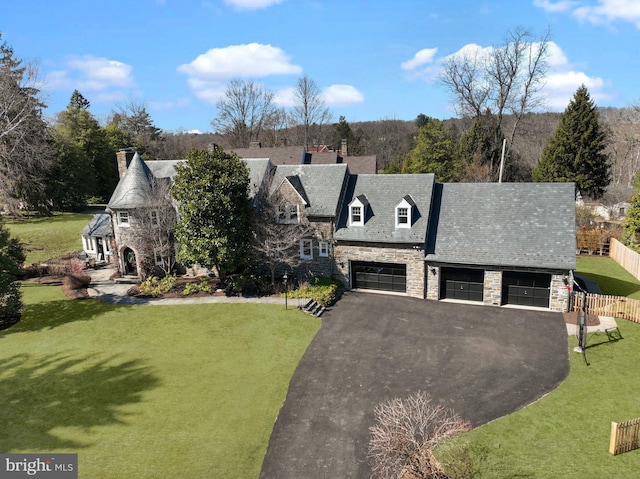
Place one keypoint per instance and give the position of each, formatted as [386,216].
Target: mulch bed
[574,318]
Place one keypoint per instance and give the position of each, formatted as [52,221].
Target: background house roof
[322,184]
[296,155]
[384,193]
[503,224]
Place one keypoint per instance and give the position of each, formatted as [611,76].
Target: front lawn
[148,391]
[566,433]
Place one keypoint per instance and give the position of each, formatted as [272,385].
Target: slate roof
[134,187]
[384,193]
[100,225]
[322,185]
[503,224]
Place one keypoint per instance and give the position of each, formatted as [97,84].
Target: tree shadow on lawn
[41,393]
[51,314]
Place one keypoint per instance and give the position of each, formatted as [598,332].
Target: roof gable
[322,185]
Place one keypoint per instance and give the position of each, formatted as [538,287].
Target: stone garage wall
[413,258]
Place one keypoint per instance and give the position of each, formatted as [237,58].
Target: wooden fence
[605,305]
[625,436]
[625,257]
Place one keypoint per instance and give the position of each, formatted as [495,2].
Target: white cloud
[555,7]
[250,60]
[209,71]
[602,12]
[342,95]
[286,97]
[424,56]
[252,4]
[91,73]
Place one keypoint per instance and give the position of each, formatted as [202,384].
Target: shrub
[194,288]
[76,281]
[245,284]
[321,289]
[155,287]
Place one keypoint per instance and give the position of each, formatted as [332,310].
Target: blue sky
[374,59]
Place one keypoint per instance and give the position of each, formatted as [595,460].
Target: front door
[129,258]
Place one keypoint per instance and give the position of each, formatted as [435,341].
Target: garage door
[462,283]
[526,289]
[380,276]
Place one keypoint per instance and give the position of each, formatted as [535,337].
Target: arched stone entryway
[129,264]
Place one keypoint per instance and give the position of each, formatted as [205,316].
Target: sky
[372,60]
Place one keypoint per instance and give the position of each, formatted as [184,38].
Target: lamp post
[284,280]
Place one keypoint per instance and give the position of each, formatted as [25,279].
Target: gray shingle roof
[505,224]
[322,185]
[384,193]
[134,187]
[100,225]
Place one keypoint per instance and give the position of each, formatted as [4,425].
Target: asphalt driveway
[484,362]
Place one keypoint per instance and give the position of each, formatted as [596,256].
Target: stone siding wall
[559,300]
[492,287]
[413,259]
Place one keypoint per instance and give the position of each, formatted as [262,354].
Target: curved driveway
[484,362]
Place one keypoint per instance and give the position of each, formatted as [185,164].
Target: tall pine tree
[576,151]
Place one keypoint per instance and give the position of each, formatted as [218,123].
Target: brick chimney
[124,156]
[343,148]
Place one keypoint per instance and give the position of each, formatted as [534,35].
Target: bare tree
[405,434]
[279,228]
[242,112]
[310,108]
[26,155]
[506,79]
[154,232]
[133,118]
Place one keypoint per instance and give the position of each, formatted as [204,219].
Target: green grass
[566,434]
[49,237]
[147,391]
[611,277]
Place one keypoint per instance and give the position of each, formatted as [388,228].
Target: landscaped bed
[141,392]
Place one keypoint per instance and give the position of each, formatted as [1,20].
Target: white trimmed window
[123,218]
[403,212]
[289,214]
[306,248]
[357,211]
[323,249]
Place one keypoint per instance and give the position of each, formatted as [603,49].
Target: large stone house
[492,243]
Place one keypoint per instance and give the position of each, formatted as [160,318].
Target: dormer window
[357,211]
[356,214]
[404,211]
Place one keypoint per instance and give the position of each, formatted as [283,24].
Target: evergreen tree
[576,151]
[216,216]
[342,131]
[11,259]
[434,153]
[86,163]
[477,152]
[631,235]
